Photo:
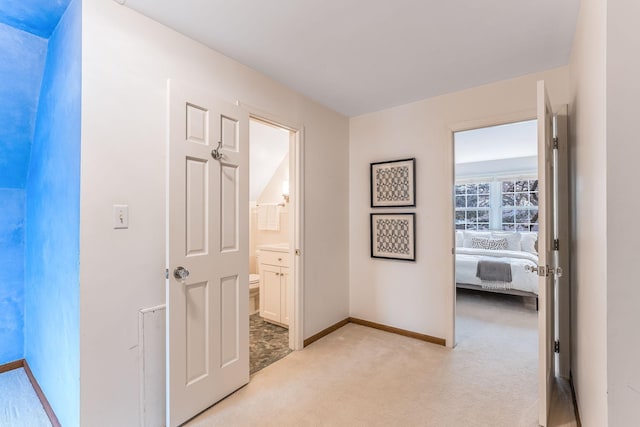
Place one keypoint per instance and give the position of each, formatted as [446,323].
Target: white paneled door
[546,259]
[208,258]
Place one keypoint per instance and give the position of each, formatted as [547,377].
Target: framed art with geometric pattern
[393,184]
[393,236]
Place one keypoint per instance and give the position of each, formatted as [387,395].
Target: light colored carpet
[359,376]
[19,404]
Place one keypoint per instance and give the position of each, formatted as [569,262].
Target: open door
[546,269]
[208,252]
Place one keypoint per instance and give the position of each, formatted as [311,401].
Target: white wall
[419,296]
[587,118]
[623,204]
[126,62]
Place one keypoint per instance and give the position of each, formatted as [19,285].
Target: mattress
[522,280]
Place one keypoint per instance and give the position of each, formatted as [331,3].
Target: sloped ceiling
[25,26]
[359,56]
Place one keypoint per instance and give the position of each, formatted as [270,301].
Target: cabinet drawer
[280,259]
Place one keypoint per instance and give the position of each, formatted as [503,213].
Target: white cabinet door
[270,298]
[208,248]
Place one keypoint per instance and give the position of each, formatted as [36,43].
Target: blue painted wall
[52,280]
[22,57]
[12,203]
[38,17]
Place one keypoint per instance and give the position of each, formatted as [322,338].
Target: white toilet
[254,293]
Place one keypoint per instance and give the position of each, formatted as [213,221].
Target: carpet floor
[358,376]
[19,404]
[268,343]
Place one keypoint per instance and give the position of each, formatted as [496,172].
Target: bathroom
[269,243]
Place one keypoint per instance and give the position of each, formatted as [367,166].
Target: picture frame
[393,183]
[393,236]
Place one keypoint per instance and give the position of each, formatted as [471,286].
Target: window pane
[507,199]
[533,198]
[507,186]
[483,188]
[483,201]
[508,216]
[460,203]
[522,199]
[534,215]
[522,227]
[522,186]
[472,201]
[533,185]
[483,226]
[471,227]
[507,227]
[522,216]
[483,216]
[460,189]
[472,188]
[459,216]
[472,216]
[460,226]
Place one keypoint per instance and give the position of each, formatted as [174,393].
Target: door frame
[500,120]
[563,292]
[295,298]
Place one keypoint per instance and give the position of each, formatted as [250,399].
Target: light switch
[120,216]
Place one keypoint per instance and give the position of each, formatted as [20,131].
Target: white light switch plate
[120,216]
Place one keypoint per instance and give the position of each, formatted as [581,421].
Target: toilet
[254,293]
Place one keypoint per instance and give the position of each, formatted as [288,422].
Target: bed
[514,255]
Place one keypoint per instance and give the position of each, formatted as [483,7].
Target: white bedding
[467,262]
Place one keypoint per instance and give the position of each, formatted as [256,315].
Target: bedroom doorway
[495,198]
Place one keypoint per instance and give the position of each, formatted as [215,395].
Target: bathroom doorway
[273,235]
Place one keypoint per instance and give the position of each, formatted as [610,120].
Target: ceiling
[359,56]
[508,141]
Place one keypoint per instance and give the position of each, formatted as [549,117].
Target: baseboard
[11,366]
[575,400]
[22,363]
[404,332]
[325,332]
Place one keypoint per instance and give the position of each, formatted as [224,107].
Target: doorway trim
[295,298]
[499,120]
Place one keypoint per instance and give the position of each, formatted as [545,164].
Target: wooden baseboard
[325,332]
[404,332]
[22,363]
[11,366]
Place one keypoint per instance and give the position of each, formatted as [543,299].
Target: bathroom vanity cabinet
[273,265]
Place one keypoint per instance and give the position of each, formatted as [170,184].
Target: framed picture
[393,184]
[393,236]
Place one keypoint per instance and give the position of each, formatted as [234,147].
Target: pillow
[488,243]
[513,239]
[459,239]
[468,235]
[528,242]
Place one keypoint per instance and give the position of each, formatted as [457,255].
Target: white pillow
[513,239]
[528,242]
[468,235]
[459,239]
[489,243]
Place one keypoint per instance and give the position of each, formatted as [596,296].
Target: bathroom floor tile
[268,343]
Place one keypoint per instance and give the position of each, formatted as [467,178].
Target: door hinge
[556,244]
[556,144]
[556,346]
[166,273]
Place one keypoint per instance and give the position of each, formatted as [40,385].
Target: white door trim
[296,224]
[499,120]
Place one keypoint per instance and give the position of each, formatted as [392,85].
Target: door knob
[180,273]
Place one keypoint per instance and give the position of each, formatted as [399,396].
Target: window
[519,205]
[473,207]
